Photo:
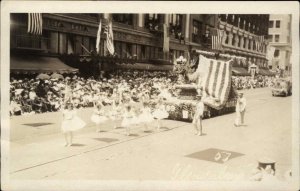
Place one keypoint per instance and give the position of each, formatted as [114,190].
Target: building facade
[280,38]
[140,37]
[246,36]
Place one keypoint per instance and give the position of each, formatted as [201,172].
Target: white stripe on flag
[32,22]
[35,23]
[98,38]
[41,23]
[29,23]
[38,23]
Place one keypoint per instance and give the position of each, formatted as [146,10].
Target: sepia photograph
[137,99]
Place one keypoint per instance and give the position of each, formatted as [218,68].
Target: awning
[145,66]
[239,71]
[38,64]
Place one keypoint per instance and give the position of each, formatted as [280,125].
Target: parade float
[209,77]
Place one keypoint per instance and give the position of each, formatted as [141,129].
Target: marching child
[98,116]
[160,113]
[145,117]
[115,112]
[128,118]
[70,123]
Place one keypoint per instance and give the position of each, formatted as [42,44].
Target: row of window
[271,24]
[276,38]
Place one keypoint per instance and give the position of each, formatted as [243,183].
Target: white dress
[160,113]
[98,117]
[145,116]
[115,112]
[129,119]
[71,121]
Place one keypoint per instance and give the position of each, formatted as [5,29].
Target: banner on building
[216,81]
[35,23]
[217,38]
[166,39]
[98,38]
[109,38]
[261,42]
[270,53]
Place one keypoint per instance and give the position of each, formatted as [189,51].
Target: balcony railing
[31,42]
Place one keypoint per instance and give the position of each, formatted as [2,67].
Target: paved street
[38,152]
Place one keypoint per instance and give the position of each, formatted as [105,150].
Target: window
[270,38]
[288,39]
[152,21]
[287,54]
[271,24]
[277,24]
[276,53]
[277,37]
[196,31]
[123,18]
[289,26]
[176,23]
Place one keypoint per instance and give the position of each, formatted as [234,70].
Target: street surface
[38,153]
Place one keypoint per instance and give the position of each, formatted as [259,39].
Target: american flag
[215,82]
[35,23]
[109,38]
[216,39]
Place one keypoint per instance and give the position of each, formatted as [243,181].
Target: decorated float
[208,75]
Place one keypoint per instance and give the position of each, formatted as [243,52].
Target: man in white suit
[240,109]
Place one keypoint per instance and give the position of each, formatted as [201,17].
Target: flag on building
[98,38]
[270,54]
[166,39]
[216,81]
[217,38]
[261,42]
[35,23]
[109,38]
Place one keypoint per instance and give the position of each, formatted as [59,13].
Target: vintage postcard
[149,95]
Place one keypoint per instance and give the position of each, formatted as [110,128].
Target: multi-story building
[280,38]
[246,36]
[138,38]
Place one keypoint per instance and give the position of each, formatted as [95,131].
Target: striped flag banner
[261,41]
[35,23]
[109,38]
[98,38]
[215,82]
[216,39]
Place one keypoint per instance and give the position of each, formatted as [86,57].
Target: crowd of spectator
[247,82]
[34,95]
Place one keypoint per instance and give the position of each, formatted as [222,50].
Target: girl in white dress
[98,117]
[70,123]
[160,113]
[145,117]
[128,118]
[115,112]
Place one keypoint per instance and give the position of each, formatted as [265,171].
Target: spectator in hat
[240,110]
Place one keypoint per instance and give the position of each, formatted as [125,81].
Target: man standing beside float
[240,110]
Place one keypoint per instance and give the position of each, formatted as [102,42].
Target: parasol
[43,76]
[56,76]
